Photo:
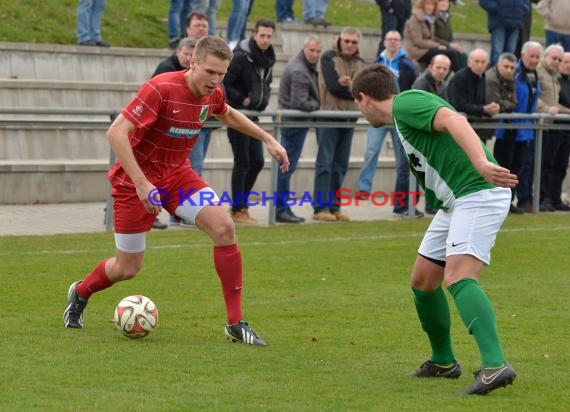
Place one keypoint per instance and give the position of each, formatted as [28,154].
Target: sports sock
[477,313]
[433,312]
[94,282]
[227,260]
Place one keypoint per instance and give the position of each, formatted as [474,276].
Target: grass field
[130,23]
[333,301]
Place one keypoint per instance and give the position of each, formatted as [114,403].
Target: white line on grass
[279,242]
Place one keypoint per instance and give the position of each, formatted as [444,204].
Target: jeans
[331,166]
[292,139]
[209,8]
[179,9]
[89,16]
[238,20]
[284,10]
[374,142]
[199,151]
[248,162]
[503,40]
[553,37]
[314,9]
[526,174]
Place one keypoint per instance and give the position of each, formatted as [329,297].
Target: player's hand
[278,153]
[149,195]
[497,175]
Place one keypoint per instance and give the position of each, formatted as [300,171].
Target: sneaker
[404,213]
[429,369]
[324,217]
[157,224]
[514,210]
[430,210]
[241,332]
[489,379]
[174,220]
[242,217]
[561,207]
[340,216]
[546,206]
[73,313]
[526,207]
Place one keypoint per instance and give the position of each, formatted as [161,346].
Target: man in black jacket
[248,87]
[179,60]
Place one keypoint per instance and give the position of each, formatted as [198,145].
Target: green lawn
[333,301]
[131,23]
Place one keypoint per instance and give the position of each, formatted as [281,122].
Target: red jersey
[168,118]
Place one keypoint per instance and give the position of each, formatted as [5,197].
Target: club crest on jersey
[203,114]
[137,111]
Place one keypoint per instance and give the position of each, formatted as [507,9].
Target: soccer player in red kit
[152,138]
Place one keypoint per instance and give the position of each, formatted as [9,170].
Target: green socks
[477,313]
[433,312]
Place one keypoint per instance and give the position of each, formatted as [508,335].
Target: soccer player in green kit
[461,178]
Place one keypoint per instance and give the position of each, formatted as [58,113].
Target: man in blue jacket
[505,22]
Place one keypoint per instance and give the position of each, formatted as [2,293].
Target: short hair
[507,56]
[264,23]
[351,30]
[376,81]
[212,45]
[555,46]
[186,42]
[312,38]
[195,15]
[531,45]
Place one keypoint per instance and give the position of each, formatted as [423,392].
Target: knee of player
[224,231]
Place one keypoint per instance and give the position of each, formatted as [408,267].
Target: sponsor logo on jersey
[184,132]
[203,114]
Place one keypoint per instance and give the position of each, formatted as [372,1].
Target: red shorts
[130,216]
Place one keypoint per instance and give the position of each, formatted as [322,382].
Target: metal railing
[278,119]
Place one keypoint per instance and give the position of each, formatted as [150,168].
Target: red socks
[94,282]
[227,260]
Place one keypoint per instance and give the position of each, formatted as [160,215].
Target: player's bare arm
[118,136]
[238,121]
[447,120]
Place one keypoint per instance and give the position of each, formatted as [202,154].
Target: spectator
[298,90]
[394,14]
[238,21]
[179,60]
[419,37]
[210,9]
[518,144]
[564,149]
[197,26]
[444,30]
[524,35]
[177,13]
[89,16]
[284,11]
[406,72]
[433,78]
[556,21]
[505,22]
[548,102]
[500,88]
[433,81]
[337,68]
[314,12]
[500,84]
[466,90]
[248,86]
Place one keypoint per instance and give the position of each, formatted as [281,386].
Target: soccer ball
[136,316]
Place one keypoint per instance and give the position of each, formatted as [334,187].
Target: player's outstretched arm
[118,136]
[236,120]
[458,127]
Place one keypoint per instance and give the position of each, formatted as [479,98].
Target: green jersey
[441,166]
